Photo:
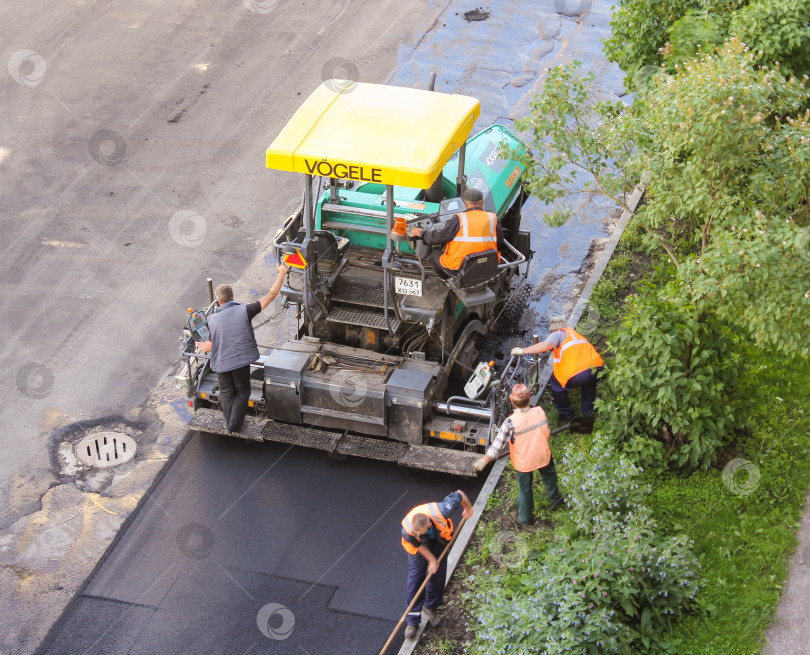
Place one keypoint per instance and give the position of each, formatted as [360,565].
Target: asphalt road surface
[132,145]
[254,548]
[132,141]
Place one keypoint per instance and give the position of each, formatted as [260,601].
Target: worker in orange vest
[576,366]
[425,532]
[465,233]
[526,430]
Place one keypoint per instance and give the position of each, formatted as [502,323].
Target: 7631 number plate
[408,286]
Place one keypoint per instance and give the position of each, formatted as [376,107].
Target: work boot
[432,615]
[583,425]
[514,516]
[557,504]
[410,631]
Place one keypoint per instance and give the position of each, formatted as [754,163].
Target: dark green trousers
[525,495]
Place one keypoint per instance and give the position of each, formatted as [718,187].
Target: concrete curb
[463,540]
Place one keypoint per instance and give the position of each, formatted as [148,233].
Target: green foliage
[778,32]
[573,142]
[690,34]
[744,542]
[672,384]
[602,486]
[647,34]
[612,588]
[724,145]
[638,32]
[717,140]
[757,276]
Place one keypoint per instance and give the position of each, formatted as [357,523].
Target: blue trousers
[585,381]
[433,596]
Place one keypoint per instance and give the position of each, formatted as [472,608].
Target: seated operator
[468,232]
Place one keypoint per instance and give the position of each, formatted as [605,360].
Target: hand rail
[521,258]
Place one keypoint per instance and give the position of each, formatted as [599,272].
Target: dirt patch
[477,14]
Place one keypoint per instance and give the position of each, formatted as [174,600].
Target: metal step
[428,458]
[339,414]
[358,293]
[363,317]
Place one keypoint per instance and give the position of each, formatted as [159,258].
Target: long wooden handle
[421,588]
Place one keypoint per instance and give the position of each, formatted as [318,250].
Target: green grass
[744,541]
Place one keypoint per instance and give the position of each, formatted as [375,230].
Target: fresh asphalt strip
[246,547]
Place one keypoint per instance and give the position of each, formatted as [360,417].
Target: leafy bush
[598,489]
[670,388]
[612,587]
[648,33]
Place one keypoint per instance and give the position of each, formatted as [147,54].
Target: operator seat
[474,274]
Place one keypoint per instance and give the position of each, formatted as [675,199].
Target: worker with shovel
[576,366]
[425,532]
[527,432]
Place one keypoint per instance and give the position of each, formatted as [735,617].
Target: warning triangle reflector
[295,260]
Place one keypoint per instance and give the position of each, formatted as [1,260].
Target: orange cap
[190,309]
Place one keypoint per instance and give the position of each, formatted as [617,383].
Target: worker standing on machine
[576,366]
[527,432]
[466,233]
[426,530]
[233,347]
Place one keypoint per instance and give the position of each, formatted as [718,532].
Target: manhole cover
[106,449]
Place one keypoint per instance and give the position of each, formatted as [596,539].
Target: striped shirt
[505,434]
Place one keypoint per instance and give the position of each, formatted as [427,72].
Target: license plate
[408,286]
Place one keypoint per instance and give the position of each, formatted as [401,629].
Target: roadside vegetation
[683,505]
[731,528]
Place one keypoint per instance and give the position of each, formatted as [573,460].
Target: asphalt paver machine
[385,362]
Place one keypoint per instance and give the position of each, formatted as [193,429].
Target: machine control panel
[447,208]
[479,380]
[198,326]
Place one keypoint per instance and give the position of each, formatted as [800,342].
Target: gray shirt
[233,344]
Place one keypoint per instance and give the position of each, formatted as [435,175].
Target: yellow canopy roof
[374,133]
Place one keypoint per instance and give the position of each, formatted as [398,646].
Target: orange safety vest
[573,356]
[431,510]
[528,448]
[476,233]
